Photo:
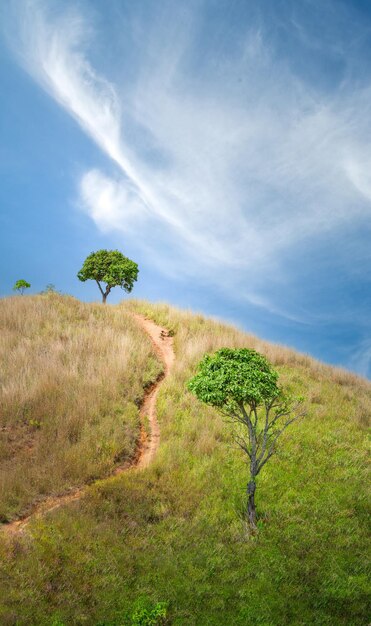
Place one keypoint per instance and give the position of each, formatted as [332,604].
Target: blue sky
[225,145]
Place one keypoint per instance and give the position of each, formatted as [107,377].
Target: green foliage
[21,285]
[231,377]
[147,616]
[110,267]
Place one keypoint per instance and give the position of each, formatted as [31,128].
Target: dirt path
[163,345]
[147,445]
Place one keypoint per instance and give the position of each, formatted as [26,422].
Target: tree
[21,285]
[243,386]
[110,267]
[50,290]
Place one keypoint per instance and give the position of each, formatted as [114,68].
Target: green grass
[174,532]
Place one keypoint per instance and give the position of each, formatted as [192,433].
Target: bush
[144,616]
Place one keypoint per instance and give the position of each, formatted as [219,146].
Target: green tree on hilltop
[110,267]
[21,285]
[242,385]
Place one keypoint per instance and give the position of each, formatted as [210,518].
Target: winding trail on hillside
[147,444]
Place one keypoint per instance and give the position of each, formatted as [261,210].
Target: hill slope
[72,376]
[172,532]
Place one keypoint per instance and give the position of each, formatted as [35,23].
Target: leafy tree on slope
[242,385]
[110,267]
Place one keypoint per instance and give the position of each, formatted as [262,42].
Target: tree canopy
[21,285]
[109,268]
[230,377]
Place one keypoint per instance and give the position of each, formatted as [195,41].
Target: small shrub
[50,289]
[144,616]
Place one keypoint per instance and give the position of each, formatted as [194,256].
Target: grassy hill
[71,377]
[174,532]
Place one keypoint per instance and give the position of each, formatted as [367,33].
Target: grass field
[174,532]
[71,378]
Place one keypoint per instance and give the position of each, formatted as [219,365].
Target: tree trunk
[251,510]
[104,298]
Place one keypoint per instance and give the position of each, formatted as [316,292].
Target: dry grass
[209,334]
[71,378]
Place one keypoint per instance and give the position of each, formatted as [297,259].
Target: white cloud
[51,47]
[239,159]
[358,170]
[111,204]
[361,358]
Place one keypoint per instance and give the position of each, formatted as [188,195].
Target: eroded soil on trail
[148,442]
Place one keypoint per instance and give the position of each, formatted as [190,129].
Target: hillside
[173,531]
[72,376]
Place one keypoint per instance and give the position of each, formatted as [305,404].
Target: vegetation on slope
[173,532]
[72,376]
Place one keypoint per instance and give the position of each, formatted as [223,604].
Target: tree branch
[265,434]
[252,436]
[242,444]
[272,450]
[100,288]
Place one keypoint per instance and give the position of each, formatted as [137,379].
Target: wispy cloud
[233,151]
[360,360]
